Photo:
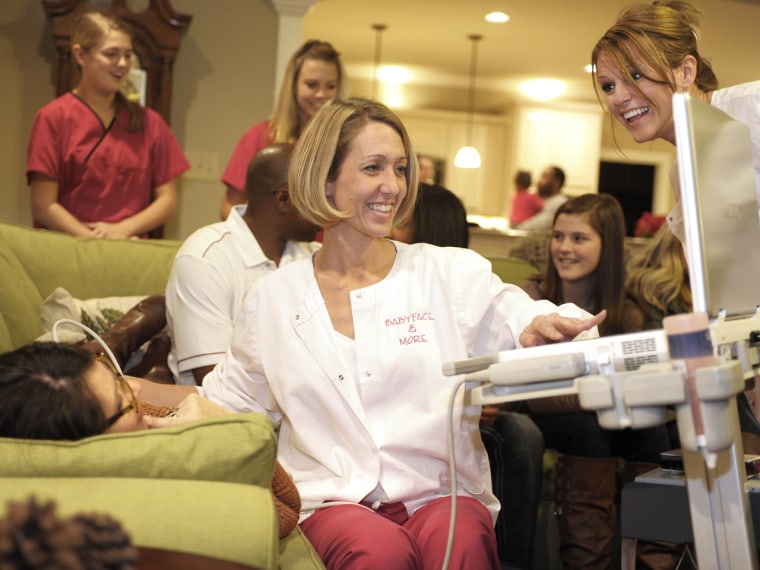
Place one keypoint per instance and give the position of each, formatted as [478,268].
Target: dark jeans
[579,433]
[515,451]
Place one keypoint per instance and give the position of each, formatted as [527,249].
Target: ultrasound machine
[630,380]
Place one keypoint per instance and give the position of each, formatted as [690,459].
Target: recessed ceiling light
[589,68]
[393,74]
[542,89]
[497,17]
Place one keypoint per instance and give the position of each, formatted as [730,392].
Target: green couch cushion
[20,301]
[6,342]
[227,521]
[512,269]
[239,448]
[91,267]
[297,553]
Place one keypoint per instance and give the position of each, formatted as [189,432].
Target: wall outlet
[204,165]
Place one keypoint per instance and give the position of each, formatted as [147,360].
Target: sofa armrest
[34,262]
[90,267]
[233,448]
[297,553]
[227,521]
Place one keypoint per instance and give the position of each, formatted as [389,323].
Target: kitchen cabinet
[528,136]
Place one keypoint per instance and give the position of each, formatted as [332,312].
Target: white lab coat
[382,419]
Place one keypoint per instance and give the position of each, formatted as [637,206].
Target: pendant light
[468,156]
[379,29]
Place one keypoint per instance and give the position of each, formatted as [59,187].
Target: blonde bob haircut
[322,149]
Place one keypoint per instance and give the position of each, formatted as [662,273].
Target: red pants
[352,537]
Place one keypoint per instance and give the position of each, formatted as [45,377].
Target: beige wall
[224,80]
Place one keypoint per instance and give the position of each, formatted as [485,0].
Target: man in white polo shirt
[217,263]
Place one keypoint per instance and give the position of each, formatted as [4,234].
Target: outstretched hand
[554,327]
[192,407]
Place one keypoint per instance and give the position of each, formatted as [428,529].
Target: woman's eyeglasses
[124,386]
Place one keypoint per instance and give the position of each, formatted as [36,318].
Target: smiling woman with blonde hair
[650,53]
[345,352]
[99,165]
[314,76]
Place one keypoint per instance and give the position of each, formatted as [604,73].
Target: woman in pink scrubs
[313,77]
[98,164]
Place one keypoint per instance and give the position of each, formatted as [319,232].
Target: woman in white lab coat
[344,351]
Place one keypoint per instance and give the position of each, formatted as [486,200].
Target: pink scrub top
[525,205]
[254,139]
[104,173]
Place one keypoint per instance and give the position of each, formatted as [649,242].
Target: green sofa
[219,516]
[34,262]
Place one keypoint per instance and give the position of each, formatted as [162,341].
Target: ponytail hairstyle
[659,35]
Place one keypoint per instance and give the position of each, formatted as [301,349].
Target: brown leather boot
[651,555]
[586,488]
[750,443]
[137,326]
[154,364]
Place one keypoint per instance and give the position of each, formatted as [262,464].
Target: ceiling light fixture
[497,17]
[393,74]
[468,156]
[542,89]
[379,28]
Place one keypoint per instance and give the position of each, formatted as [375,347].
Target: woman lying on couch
[53,390]
[57,391]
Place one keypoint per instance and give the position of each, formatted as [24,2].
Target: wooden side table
[157,559]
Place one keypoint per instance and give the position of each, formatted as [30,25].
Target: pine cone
[107,545]
[33,538]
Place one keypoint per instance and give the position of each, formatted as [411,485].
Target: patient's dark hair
[44,395]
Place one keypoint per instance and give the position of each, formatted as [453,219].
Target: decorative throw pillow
[98,314]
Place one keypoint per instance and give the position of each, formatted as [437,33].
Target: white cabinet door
[441,134]
[569,138]
[482,189]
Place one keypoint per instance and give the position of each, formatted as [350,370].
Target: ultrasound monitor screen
[720,208]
